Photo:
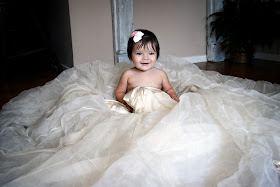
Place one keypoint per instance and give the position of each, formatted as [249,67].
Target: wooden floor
[256,70]
[18,77]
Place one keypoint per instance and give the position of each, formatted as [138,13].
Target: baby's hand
[129,108]
[174,97]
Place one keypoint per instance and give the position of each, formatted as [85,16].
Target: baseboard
[64,67]
[263,56]
[267,56]
[195,59]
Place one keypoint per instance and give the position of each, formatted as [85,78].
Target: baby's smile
[145,63]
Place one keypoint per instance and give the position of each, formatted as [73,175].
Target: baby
[143,50]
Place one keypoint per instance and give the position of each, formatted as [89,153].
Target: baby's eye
[151,53]
[139,53]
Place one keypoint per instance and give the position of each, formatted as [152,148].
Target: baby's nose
[145,56]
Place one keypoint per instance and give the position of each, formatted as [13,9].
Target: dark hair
[146,38]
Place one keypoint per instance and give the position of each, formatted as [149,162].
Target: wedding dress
[143,100]
[225,131]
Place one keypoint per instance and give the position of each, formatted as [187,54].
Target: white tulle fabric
[225,131]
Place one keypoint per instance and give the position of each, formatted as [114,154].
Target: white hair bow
[137,36]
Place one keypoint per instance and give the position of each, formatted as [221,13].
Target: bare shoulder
[127,72]
[161,72]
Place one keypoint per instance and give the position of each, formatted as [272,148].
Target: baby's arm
[171,92]
[166,86]
[121,90]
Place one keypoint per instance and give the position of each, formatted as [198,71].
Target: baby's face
[144,58]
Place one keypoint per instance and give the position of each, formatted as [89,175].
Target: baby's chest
[145,81]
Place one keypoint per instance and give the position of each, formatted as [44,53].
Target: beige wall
[178,24]
[91,29]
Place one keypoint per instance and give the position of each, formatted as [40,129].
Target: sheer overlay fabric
[225,131]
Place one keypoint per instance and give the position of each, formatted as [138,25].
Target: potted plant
[243,24]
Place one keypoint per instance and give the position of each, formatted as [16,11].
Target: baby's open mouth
[145,63]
